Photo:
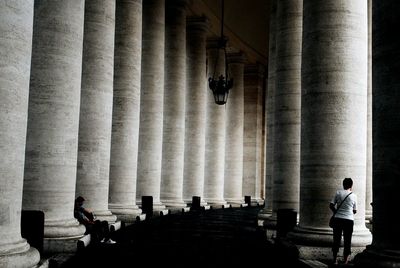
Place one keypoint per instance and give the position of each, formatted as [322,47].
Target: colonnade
[109,100]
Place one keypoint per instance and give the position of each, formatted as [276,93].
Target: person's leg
[337,236]
[347,234]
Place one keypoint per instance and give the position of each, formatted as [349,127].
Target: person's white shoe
[103,240]
[110,241]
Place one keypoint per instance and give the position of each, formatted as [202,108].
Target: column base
[174,204]
[235,202]
[127,214]
[29,257]
[105,215]
[264,213]
[216,203]
[373,257]
[316,243]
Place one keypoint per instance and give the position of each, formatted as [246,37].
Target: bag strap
[342,202]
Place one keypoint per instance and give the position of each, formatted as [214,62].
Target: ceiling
[246,24]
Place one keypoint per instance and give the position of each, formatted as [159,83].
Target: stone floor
[214,238]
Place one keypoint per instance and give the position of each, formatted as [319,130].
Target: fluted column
[333,119]
[215,132]
[174,104]
[384,252]
[270,114]
[126,109]
[368,189]
[233,181]
[286,157]
[253,93]
[151,102]
[16,21]
[53,120]
[94,143]
[196,104]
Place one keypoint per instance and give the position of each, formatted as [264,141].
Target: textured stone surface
[195,112]
[126,109]
[333,114]
[151,102]
[215,132]
[174,104]
[15,56]
[233,181]
[53,117]
[94,143]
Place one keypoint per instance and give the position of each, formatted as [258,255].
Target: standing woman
[344,206]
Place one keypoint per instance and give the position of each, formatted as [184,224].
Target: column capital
[201,23]
[236,57]
[255,69]
[215,42]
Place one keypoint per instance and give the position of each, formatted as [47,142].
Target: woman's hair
[347,183]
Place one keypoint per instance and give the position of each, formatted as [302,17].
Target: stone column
[53,121]
[384,250]
[270,113]
[196,104]
[286,157]
[151,102]
[215,132]
[233,181]
[94,143]
[253,93]
[126,109]
[333,120]
[174,104]
[368,189]
[16,22]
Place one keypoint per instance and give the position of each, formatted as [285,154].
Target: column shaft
[270,114]
[16,22]
[53,120]
[253,87]
[334,118]
[286,182]
[174,104]
[196,100]
[94,143]
[215,132]
[126,109]
[233,181]
[384,252]
[151,102]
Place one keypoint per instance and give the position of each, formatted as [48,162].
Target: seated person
[99,230]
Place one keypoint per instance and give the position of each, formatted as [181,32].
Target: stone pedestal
[334,117]
[94,143]
[126,109]
[196,104]
[15,56]
[53,120]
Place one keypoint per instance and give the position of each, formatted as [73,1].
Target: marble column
[196,104]
[286,157]
[215,132]
[151,102]
[233,181]
[333,120]
[94,143]
[126,109]
[270,114]
[368,189]
[174,105]
[384,251]
[53,121]
[252,137]
[16,22]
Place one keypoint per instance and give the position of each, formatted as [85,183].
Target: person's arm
[332,207]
